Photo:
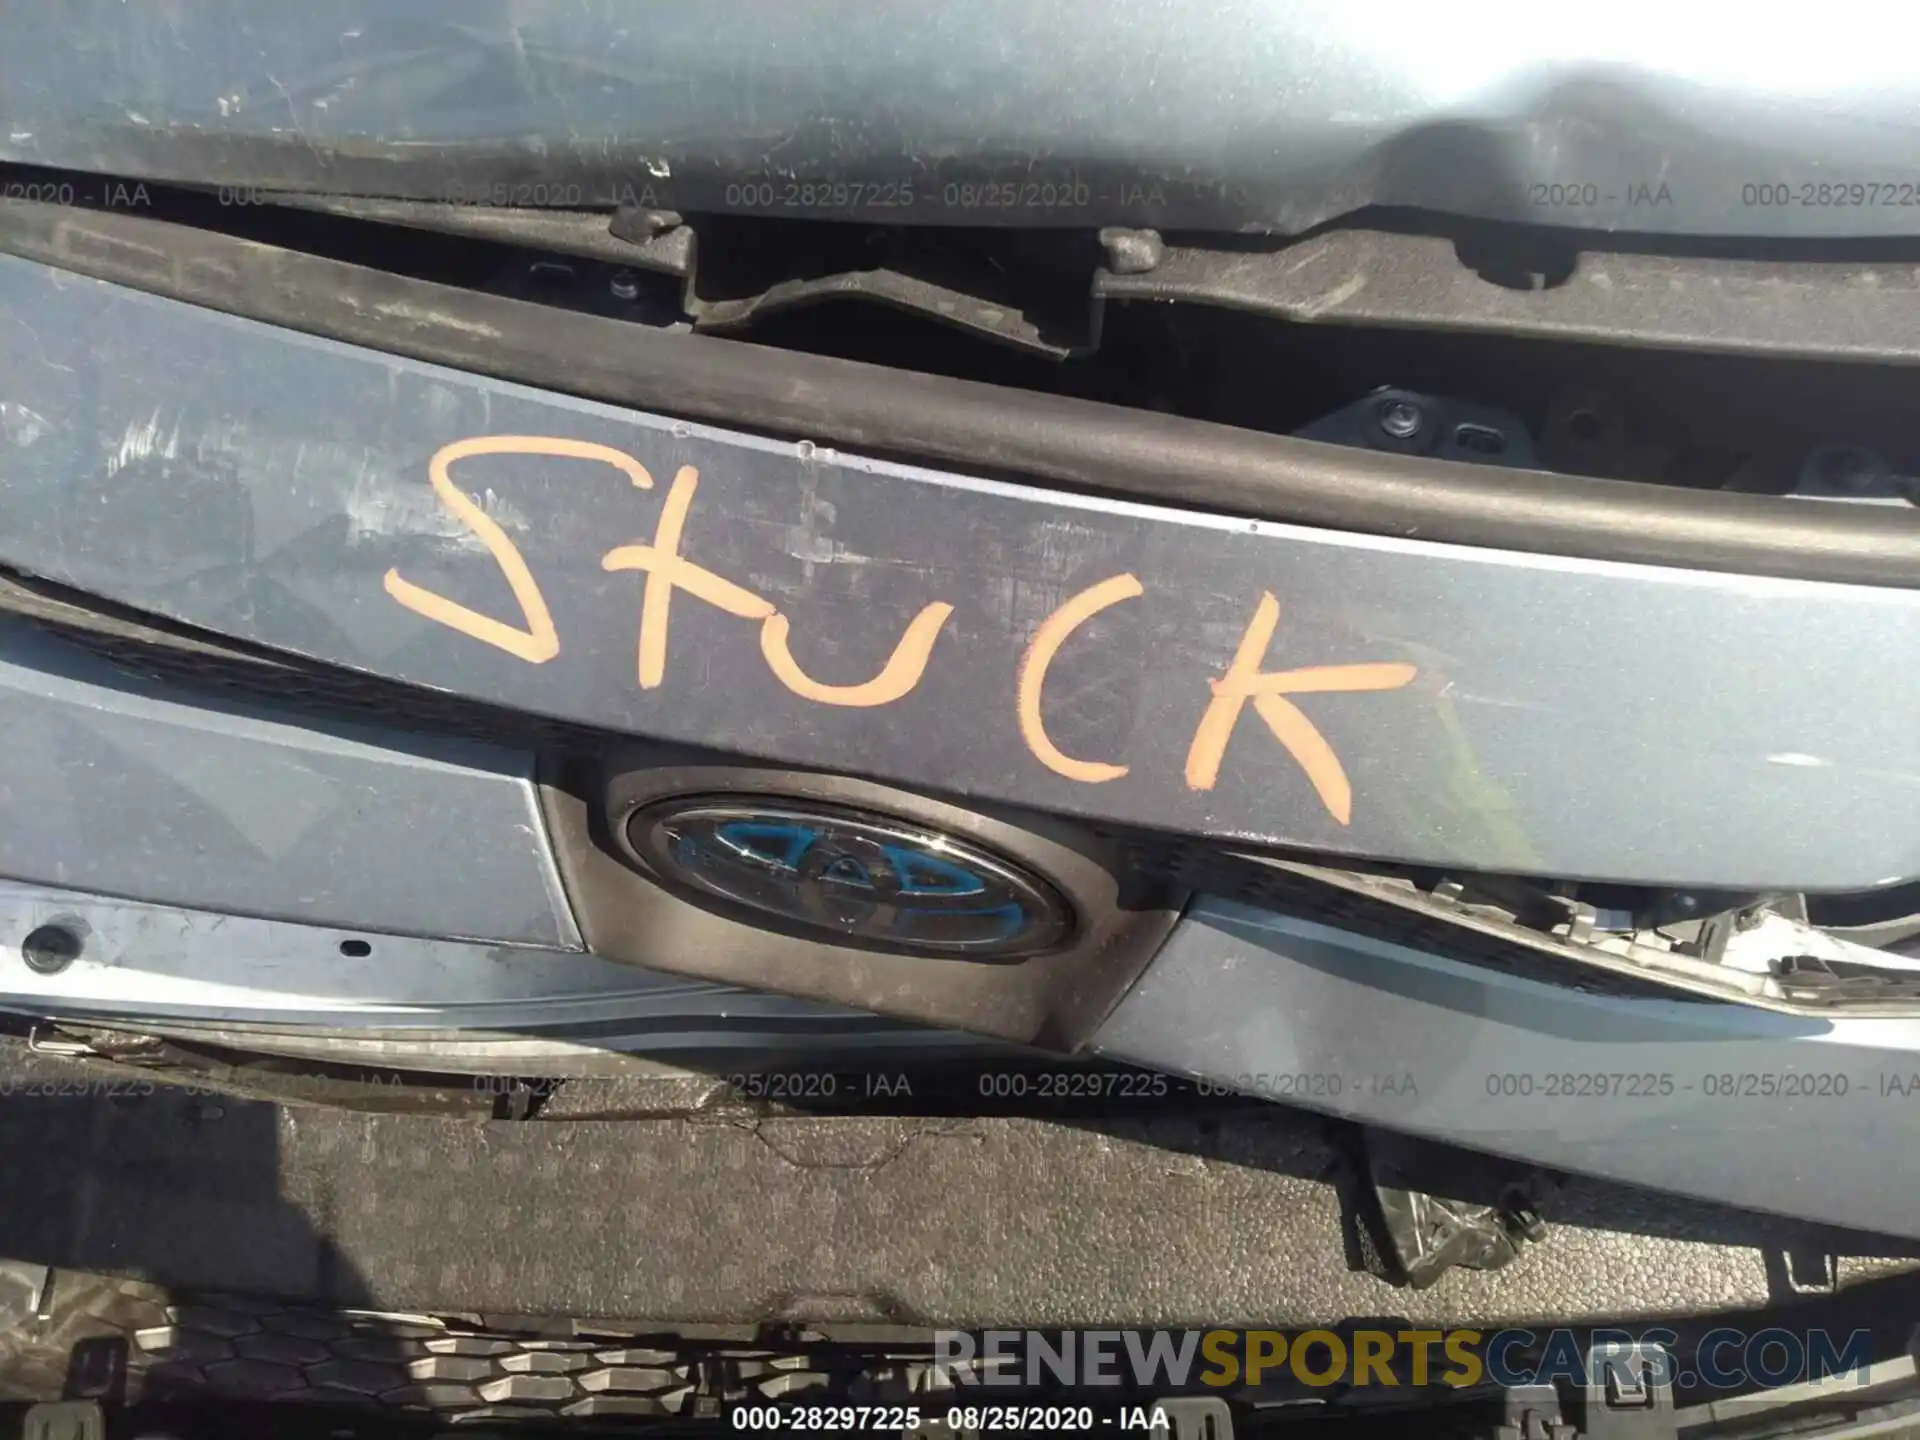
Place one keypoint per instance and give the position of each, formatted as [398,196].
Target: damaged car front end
[1395,595]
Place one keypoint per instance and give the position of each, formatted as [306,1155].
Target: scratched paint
[536,640]
[19,425]
[1566,717]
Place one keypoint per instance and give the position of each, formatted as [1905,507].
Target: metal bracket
[1425,1235]
[40,1041]
[64,1420]
[1851,309]
[662,243]
[1410,423]
[1458,279]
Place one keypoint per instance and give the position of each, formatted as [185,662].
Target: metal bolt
[50,949]
[1132,252]
[1401,419]
[625,286]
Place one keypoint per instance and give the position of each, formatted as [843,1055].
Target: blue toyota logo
[849,876]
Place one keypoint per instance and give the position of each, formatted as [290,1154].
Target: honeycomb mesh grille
[140,1344]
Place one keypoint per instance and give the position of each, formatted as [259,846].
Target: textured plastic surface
[735,1217]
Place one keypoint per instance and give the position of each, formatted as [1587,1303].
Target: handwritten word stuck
[667,569]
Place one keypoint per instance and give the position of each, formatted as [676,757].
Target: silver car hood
[1699,117]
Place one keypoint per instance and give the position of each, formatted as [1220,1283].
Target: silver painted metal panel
[1707,116]
[115,783]
[423,1001]
[1542,715]
[1813,1118]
